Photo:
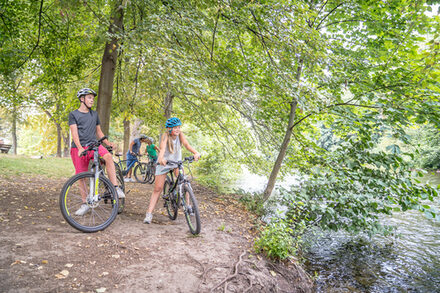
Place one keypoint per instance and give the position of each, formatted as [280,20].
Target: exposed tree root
[230,276]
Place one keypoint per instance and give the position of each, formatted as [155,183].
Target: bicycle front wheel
[140,173]
[191,210]
[82,209]
[172,203]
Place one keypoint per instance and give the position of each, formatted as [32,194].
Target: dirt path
[40,252]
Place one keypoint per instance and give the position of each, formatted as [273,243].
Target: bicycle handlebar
[178,163]
[93,145]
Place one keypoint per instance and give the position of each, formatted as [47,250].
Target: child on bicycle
[132,153]
[170,149]
[151,150]
[85,128]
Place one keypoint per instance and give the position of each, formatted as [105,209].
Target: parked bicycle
[100,194]
[145,172]
[141,170]
[177,192]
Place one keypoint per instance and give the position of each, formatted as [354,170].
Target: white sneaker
[127,179]
[82,210]
[132,180]
[148,218]
[121,194]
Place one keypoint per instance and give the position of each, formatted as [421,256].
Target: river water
[406,262]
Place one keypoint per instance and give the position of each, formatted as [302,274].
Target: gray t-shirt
[176,156]
[86,123]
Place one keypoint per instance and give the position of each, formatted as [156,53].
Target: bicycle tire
[141,173]
[100,215]
[172,203]
[151,174]
[121,183]
[192,219]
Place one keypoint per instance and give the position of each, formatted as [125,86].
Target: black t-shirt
[86,123]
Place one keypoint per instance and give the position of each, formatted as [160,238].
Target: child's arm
[189,147]
[162,146]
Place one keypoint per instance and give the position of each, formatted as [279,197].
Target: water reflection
[407,262]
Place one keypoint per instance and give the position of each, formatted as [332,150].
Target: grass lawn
[11,165]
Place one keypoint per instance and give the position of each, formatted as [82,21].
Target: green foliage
[426,140]
[253,202]
[278,240]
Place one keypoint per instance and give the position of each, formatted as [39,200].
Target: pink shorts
[81,164]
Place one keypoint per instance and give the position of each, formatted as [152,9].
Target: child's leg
[158,187]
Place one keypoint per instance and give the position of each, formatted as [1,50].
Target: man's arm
[100,134]
[75,138]
[130,148]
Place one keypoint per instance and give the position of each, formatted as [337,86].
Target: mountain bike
[145,172]
[99,193]
[177,192]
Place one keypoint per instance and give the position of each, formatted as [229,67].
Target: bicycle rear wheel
[172,203]
[99,213]
[151,173]
[191,210]
[121,184]
[141,173]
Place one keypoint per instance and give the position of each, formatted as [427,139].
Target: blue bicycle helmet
[172,122]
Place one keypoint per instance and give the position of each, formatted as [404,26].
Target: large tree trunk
[277,166]
[14,130]
[126,137]
[108,67]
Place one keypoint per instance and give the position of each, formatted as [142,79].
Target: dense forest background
[344,94]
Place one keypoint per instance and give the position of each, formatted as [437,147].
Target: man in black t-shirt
[85,128]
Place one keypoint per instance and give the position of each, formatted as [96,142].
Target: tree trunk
[59,134]
[167,109]
[168,104]
[282,153]
[66,140]
[108,67]
[14,130]
[277,166]
[126,137]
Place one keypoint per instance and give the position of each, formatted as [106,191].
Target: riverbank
[40,251]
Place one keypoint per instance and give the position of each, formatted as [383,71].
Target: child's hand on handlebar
[197,156]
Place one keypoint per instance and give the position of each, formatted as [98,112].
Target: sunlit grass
[48,166]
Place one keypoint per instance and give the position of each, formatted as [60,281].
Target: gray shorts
[160,170]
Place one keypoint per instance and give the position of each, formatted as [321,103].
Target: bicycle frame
[94,185]
[179,182]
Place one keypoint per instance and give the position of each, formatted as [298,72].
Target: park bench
[4,148]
